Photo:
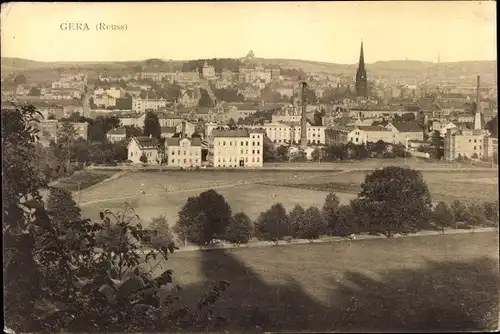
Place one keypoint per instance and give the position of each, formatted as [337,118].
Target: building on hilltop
[361,80]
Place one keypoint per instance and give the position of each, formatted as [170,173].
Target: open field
[443,282]
[448,186]
[260,191]
[250,197]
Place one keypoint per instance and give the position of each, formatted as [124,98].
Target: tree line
[392,200]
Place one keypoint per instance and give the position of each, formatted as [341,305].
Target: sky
[319,31]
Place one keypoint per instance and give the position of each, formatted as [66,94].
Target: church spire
[361,83]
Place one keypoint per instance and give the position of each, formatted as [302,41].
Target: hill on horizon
[381,68]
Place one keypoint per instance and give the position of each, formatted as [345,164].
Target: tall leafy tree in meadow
[239,230]
[273,224]
[330,211]
[346,221]
[296,216]
[312,225]
[442,215]
[395,199]
[204,218]
[152,125]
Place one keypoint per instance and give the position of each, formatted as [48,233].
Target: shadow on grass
[444,296]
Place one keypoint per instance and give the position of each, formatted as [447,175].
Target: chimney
[477,117]
[303,127]
[150,135]
[183,132]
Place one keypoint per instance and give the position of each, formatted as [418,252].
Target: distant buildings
[116,135]
[143,105]
[361,80]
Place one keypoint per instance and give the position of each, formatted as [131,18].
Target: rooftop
[407,127]
[118,131]
[146,142]
[231,133]
[176,141]
[372,128]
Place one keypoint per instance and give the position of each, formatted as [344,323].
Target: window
[241,143]
[356,140]
[479,147]
[253,151]
[230,143]
[196,160]
[246,143]
[184,152]
[173,160]
[257,159]
[184,160]
[474,140]
[224,143]
[474,148]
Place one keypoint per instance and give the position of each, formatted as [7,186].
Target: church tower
[361,83]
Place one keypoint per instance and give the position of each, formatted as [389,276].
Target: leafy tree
[232,124]
[20,79]
[132,131]
[239,230]
[34,92]
[268,150]
[66,134]
[61,206]
[162,234]
[492,126]
[476,215]
[312,224]
[436,145]
[316,154]
[273,224]
[204,218]
[395,199]
[143,158]
[317,118]
[491,212]
[205,100]
[296,216]
[442,215]
[460,212]
[152,125]
[346,221]
[330,211]
[282,152]
[299,156]
[20,196]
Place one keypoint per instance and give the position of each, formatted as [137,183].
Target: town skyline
[465,33]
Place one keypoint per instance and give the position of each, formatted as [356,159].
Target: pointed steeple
[361,82]
[361,66]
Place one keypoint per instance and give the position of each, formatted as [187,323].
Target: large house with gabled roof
[147,146]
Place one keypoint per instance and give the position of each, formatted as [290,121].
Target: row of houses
[228,149]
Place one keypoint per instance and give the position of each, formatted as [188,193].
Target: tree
[491,212]
[476,215]
[346,221]
[460,212]
[20,79]
[34,92]
[316,154]
[282,153]
[394,199]
[318,118]
[492,126]
[143,158]
[152,125]
[132,131]
[268,150]
[205,100]
[232,124]
[61,206]
[299,156]
[442,215]
[436,145]
[330,212]
[239,230]
[20,197]
[162,234]
[296,216]
[273,224]
[204,218]
[312,225]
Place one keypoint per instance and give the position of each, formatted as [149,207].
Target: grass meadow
[426,283]
[253,192]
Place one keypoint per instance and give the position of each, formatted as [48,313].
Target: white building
[116,135]
[208,71]
[238,148]
[147,146]
[142,105]
[183,152]
[289,133]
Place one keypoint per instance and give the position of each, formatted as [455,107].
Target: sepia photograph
[234,167]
